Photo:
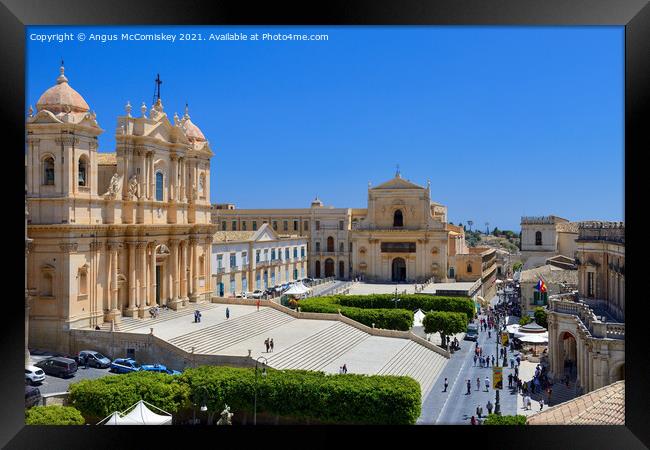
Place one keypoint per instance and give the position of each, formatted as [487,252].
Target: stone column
[152,275]
[184,271]
[181,165]
[113,313]
[195,268]
[133,286]
[152,177]
[143,175]
[176,270]
[143,273]
[173,177]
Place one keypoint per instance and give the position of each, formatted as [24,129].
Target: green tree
[445,323]
[495,419]
[517,266]
[525,320]
[541,317]
[53,415]
[496,231]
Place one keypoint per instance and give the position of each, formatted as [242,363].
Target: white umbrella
[117,419]
[541,338]
[513,328]
[297,289]
[144,416]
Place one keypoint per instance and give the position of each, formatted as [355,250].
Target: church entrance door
[399,270]
[329,268]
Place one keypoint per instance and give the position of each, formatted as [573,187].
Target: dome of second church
[192,132]
[61,98]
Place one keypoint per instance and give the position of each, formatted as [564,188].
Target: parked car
[34,375]
[58,366]
[159,368]
[125,365]
[32,396]
[257,294]
[95,359]
[241,295]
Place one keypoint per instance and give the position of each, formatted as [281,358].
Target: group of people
[154,312]
[269,344]
[343,369]
[197,316]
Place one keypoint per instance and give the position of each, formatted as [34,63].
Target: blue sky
[504,121]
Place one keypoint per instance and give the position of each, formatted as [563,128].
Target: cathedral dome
[62,98]
[192,132]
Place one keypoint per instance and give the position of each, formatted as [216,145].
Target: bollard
[151,330]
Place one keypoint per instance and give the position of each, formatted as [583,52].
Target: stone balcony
[595,325]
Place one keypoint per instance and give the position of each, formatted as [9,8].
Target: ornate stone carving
[134,187]
[113,245]
[68,247]
[226,417]
[95,245]
[66,140]
[435,250]
[115,186]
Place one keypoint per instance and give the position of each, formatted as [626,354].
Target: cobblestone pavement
[455,406]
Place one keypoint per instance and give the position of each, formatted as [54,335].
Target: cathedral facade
[112,234]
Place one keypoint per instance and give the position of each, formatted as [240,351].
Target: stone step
[317,351]
[225,334]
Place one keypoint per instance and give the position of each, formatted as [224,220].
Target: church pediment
[397,183]
[44,116]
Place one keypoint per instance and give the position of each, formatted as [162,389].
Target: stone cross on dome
[397,173]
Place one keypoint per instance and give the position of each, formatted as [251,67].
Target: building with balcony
[244,261]
[543,237]
[556,279]
[587,330]
[403,236]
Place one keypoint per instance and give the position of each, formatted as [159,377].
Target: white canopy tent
[139,415]
[541,338]
[418,317]
[513,328]
[297,289]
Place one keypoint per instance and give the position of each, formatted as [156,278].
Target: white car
[257,294]
[34,375]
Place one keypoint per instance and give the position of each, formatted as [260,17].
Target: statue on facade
[114,187]
[226,417]
[133,187]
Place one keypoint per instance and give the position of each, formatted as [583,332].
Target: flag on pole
[541,286]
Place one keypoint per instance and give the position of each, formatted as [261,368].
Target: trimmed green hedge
[98,398]
[495,419]
[302,394]
[380,308]
[299,395]
[53,415]
[390,319]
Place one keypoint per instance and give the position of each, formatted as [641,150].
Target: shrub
[304,395]
[53,415]
[525,320]
[495,419]
[98,398]
[517,265]
[540,317]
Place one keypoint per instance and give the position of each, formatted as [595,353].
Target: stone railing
[588,319]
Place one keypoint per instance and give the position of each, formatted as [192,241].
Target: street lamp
[204,406]
[497,405]
[264,375]
[396,299]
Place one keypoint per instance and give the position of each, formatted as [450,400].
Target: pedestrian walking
[446,384]
[489,407]
[199,316]
[271,345]
[549,391]
[489,334]
[345,368]
[473,420]
[509,380]
[258,304]
[524,401]
[469,388]
[227,313]
[512,363]
[479,411]
[86,361]
[492,360]
[518,385]
[196,316]
[487,361]
[541,403]
[478,384]
[487,384]
[475,360]
[266,342]
[516,371]
[340,370]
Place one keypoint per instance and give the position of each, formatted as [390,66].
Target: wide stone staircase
[561,393]
[318,350]
[212,339]
[416,361]
[128,324]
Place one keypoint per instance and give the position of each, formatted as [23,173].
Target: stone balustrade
[588,319]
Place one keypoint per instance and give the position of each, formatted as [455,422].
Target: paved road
[454,406]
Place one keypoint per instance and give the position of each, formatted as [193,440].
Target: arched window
[82,173]
[48,170]
[398,219]
[469,268]
[330,244]
[159,186]
[538,238]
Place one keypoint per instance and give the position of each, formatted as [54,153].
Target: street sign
[504,338]
[497,377]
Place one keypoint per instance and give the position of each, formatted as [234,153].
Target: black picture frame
[634,15]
